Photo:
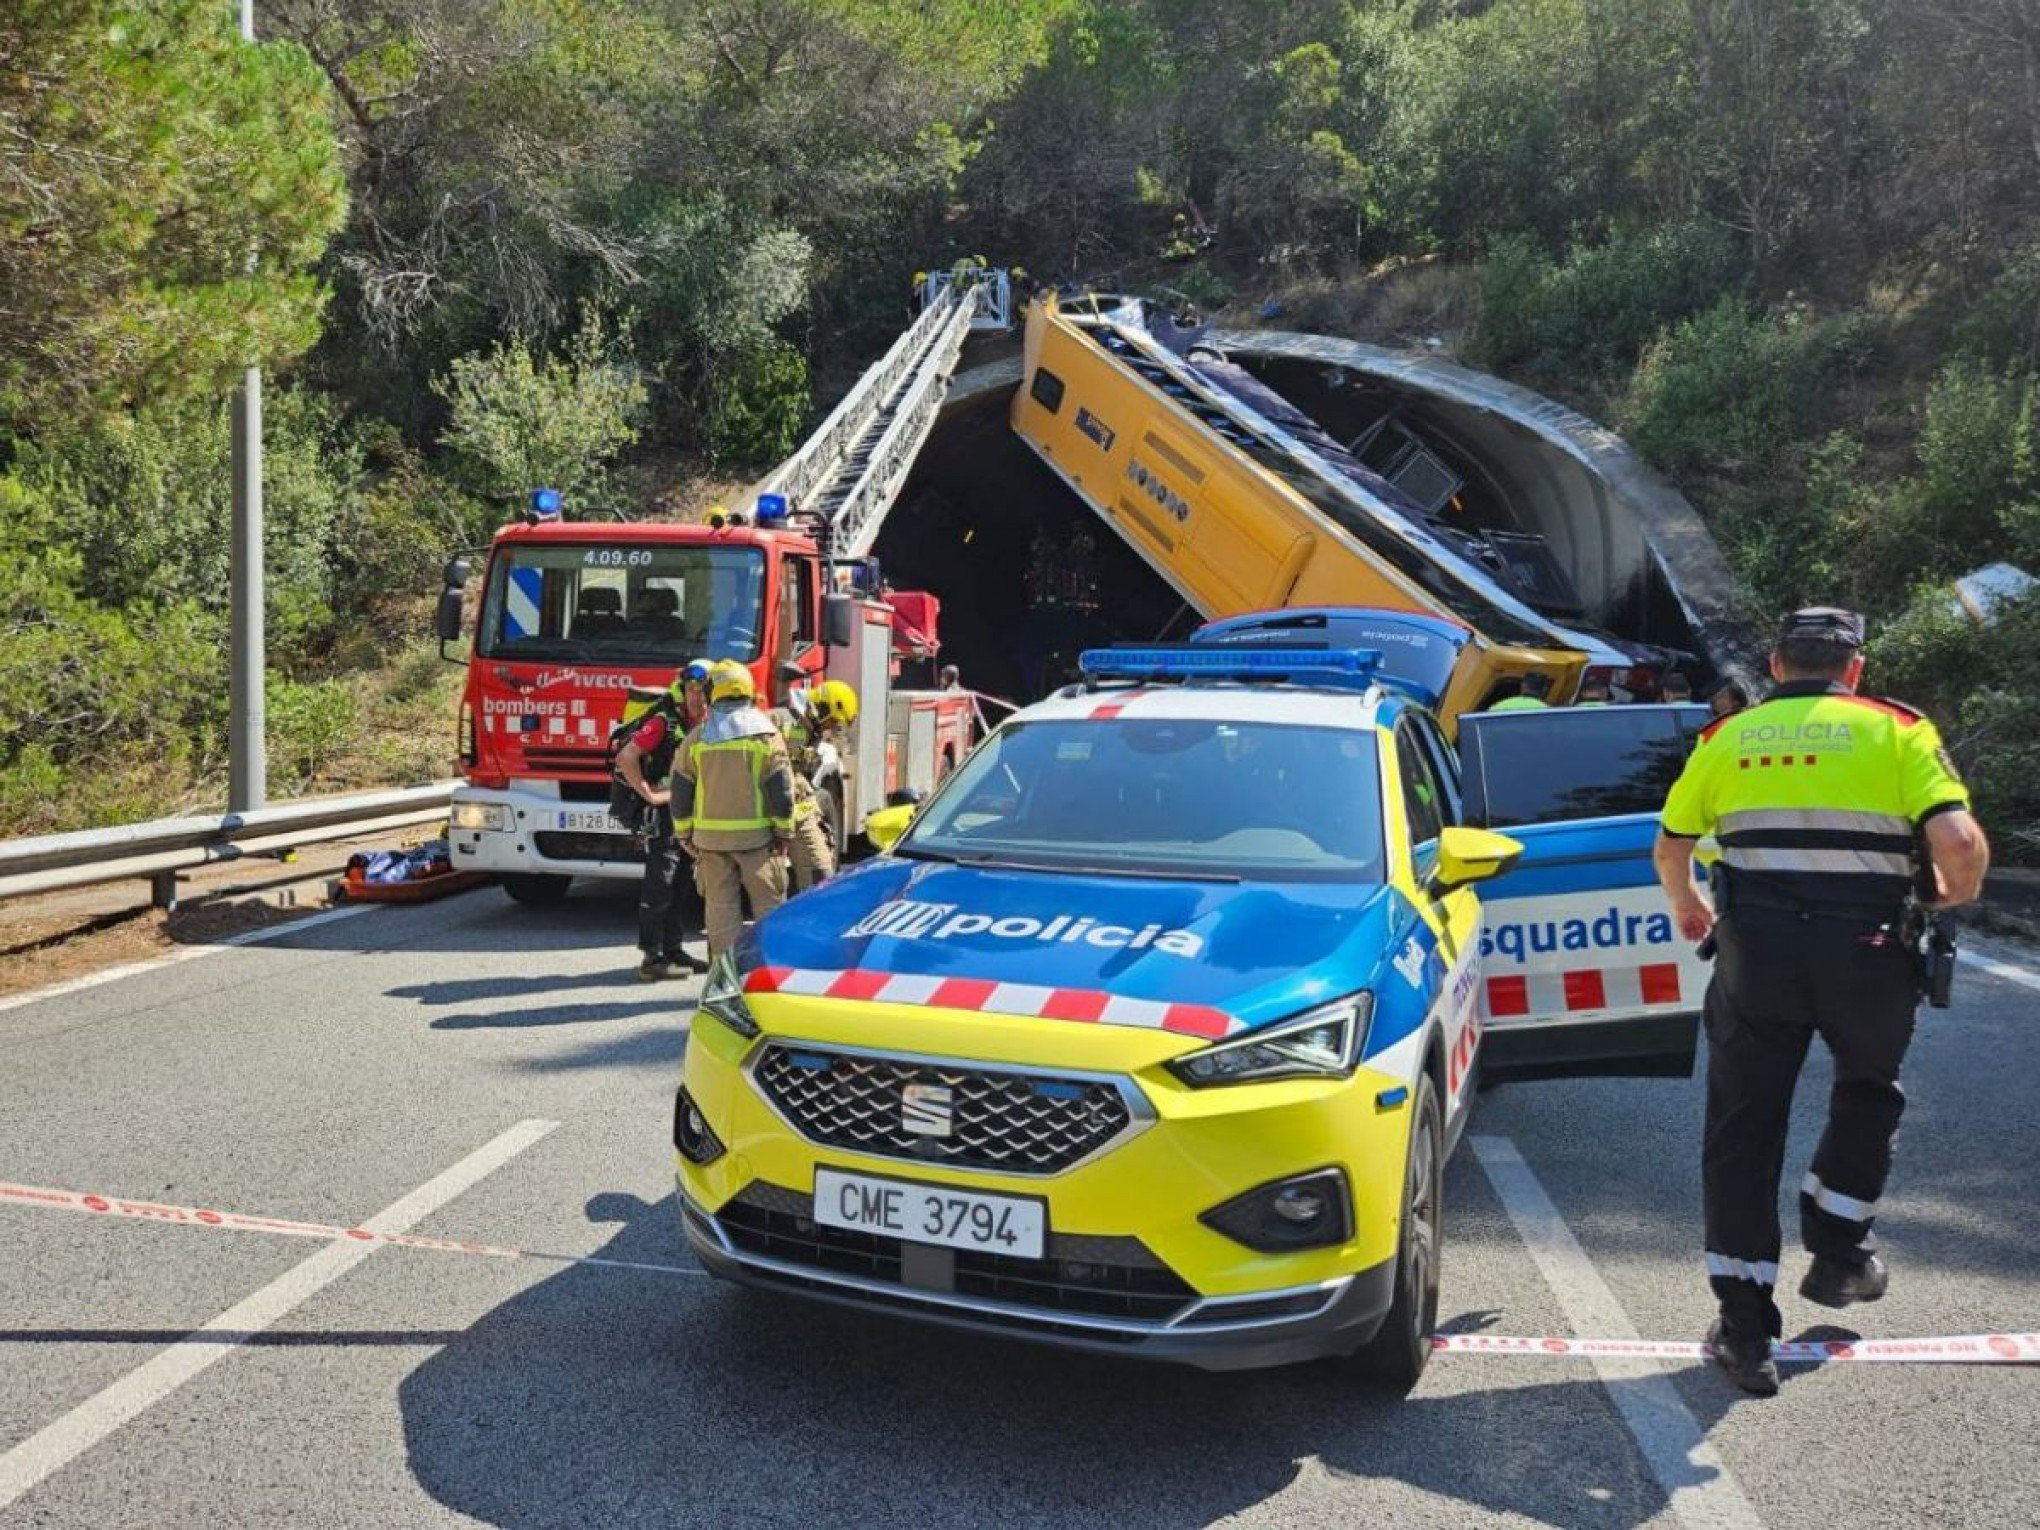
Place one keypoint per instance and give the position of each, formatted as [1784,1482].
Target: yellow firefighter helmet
[731,681]
[833,703]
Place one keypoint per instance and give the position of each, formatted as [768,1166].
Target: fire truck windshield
[624,603]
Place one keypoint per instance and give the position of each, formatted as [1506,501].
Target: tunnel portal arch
[1028,575]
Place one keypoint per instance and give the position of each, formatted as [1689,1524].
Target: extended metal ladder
[848,473]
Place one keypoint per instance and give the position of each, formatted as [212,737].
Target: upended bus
[1243,505]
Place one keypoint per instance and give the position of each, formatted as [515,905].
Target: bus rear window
[1569,763]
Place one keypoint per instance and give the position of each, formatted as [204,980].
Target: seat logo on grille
[927,1110]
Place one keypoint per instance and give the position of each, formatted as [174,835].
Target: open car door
[1582,970]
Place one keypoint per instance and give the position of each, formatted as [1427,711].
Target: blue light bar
[546,504]
[771,509]
[1342,668]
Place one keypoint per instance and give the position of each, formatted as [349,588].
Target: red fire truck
[574,614]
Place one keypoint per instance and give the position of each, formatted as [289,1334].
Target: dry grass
[1421,305]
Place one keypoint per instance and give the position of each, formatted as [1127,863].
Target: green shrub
[1982,686]
[1979,455]
[1606,302]
[397,535]
[1729,389]
[1515,285]
[105,714]
[308,724]
[523,421]
[758,404]
[2003,329]
[147,502]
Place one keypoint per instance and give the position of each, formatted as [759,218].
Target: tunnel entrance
[1028,576]
[1492,475]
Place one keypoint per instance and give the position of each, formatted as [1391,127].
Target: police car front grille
[1018,1123]
[1099,1277]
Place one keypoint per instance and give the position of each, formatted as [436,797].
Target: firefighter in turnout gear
[813,723]
[643,765]
[732,800]
[1830,809]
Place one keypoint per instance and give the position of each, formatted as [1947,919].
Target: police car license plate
[899,1208]
[589,821]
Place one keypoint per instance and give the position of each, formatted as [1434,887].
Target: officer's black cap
[1823,624]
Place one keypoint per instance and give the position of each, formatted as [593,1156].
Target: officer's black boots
[1832,1283]
[1746,1358]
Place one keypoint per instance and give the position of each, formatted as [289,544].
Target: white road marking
[2011,972]
[1696,1482]
[59,1443]
[185,954]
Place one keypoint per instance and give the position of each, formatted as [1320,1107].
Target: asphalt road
[361,1066]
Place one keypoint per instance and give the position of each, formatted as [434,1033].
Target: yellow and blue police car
[1150,1036]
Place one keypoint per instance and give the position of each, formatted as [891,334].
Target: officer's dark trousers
[666,893]
[1779,978]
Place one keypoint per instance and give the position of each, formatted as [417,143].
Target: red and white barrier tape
[1973,1349]
[229,1221]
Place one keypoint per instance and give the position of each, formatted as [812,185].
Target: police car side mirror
[1471,855]
[839,621]
[884,827]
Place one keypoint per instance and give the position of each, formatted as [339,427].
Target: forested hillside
[1790,247]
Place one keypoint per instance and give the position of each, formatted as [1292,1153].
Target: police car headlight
[722,995]
[480,815]
[1320,1043]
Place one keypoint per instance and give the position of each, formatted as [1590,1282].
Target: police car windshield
[623,604]
[1234,800]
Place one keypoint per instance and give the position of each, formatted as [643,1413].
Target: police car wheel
[1396,1355]
[535,889]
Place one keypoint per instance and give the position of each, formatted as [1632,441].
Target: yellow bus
[1238,515]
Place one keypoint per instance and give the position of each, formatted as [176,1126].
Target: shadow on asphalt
[602,1397]
[594,915]
[565,1014]
[479,990]
[1960,1197]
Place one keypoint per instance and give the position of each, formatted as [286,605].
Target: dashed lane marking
[1697,1484]
[185,954]
[57,1444]
[2011,972]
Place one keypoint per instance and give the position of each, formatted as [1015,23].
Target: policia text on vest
[1821,801]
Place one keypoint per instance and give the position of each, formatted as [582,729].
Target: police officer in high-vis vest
[733,805]
[1824,803]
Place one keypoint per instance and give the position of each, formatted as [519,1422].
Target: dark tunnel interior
[1027,574]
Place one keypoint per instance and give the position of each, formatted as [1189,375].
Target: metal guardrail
[162,847]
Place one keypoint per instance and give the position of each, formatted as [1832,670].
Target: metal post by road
[248,753]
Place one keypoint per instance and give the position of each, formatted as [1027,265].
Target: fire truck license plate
[589,821]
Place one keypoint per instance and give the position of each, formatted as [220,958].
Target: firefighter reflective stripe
[1761,1272]
[757,755]
[1847,1207]
[1849,862]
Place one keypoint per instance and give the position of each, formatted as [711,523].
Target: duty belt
[1735,895]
